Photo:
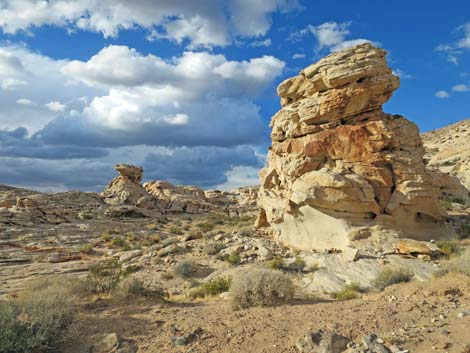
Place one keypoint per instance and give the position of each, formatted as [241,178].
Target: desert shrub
[106,236]
[276,263]
[233,259]
[185,268]
[86,248]
[245,232]
[448,248]
[348,292]
[132,286]
[38,319]
[297,265]
[205,226]
[389,276]
[459,264]
[213,248]
[259,287]
[105,276]
[176,230]
[215,286]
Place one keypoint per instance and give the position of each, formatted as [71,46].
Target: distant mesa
[339,169]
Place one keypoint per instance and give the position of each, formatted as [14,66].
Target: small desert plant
[459,264]
[348,292]
[86,249]
[38,319]
[131,287]
[106,236]
[213,248]
[464,231]
[233,259]
[389,276]
[448,248]
[215,286]
[276,263]
[205,226]
[176,230]
[105,276]
[185,268]
[259,287]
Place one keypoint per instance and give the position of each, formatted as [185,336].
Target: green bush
[259,287]
[389,276]
[39,319]
[348,292]
[215,286]
[185,268]
[105,276]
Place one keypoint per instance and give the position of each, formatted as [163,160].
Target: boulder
[338,166]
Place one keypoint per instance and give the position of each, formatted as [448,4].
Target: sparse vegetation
[348,292]
[86,248]
[459,264]
[185,268]
[176,230]
[260,287]
[135,287]
[389,276]
[105,276]
[463,231]
[38,319]
[233,259]
[205,226]
[276,263]
[448,248]
[213,248]
[213,287]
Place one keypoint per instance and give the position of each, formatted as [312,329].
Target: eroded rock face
[126,189]
[337,162]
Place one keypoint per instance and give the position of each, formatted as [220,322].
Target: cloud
[37,80]
[122,106]
[331,36]
[442,94]
[55,106]
[240,176]
[455,49]
[261,43]
[298,56]
[205,166]
[12,84]
[203,23]
[402,74]
[461,88]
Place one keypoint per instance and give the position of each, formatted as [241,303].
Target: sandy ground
[418,316]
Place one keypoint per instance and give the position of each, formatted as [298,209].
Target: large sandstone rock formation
[339,168]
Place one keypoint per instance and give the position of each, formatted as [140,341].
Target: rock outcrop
[339,167]
[448,151]
[126,189]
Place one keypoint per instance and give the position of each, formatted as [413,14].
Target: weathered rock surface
[448,149]
[337,162]
[126,189]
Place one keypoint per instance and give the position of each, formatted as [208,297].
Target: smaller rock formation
[178,199]
[126,189]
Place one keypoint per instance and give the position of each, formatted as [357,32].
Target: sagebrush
[260,287]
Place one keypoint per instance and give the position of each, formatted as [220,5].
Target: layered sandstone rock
[178,199]
[338,165]
[126,189]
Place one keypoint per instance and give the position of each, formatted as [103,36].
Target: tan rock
[125,189]
[406,246]
[338,163]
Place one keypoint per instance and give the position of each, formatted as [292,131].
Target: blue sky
[187,89]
